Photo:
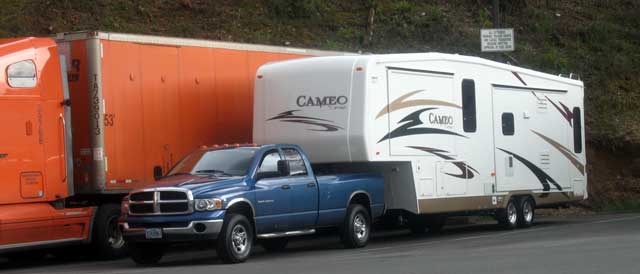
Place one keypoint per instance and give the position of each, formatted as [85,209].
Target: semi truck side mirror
[283,168]
[157,172]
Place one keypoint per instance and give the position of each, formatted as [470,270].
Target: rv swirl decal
[402,103]
[564,111]
[542,176]
[320,124]
[411,125]
[466,171]
[563,150]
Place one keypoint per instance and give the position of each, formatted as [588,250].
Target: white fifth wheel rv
[452,134]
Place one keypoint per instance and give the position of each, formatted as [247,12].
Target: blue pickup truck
[232,197]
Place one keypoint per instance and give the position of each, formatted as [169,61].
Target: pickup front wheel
[235,239]
[357,227]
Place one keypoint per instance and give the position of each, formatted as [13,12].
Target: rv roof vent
[573,76]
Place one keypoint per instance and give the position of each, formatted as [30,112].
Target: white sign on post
[497,40]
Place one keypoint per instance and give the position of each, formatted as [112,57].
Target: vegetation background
[598,39]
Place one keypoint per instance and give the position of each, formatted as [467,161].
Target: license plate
[153,233]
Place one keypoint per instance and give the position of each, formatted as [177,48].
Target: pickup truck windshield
[223,162]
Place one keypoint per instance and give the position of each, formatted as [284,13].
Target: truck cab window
[468,105]
[22,74]
[508,128]
[577,130]
[269,163]
[296,164]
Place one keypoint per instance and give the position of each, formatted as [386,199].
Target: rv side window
[507,124]
[296,164]
[577,130]
[468,105]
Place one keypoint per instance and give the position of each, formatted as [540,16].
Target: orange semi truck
[86,117]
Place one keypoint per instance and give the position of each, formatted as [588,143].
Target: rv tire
[508,217]
[526,212]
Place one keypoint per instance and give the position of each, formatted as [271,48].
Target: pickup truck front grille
[161,201]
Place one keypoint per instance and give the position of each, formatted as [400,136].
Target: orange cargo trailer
[88,116]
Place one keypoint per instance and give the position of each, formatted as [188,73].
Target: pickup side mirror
[283,168]
[157,172]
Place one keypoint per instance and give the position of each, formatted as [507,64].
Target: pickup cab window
[222,162]
[269,163]
[296,164]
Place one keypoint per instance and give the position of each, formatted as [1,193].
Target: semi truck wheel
[526,212]
[274,245]
[357,227]
[146,254]
[107,240]
[508,217]
[235,240]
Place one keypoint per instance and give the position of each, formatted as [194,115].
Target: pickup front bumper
[194,231]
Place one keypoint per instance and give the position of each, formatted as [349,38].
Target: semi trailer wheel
[356,229]
[508,217]
[526,212]
[107,241]
[235,240]
[146,254]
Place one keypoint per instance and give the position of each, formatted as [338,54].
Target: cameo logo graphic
[325,101]
[413,125]
[440,119]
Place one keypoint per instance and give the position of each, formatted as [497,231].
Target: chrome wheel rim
[239,239]
[527,210]
[114,235]
[360,227]
[512,214]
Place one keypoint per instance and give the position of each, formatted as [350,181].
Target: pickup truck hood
[201,185]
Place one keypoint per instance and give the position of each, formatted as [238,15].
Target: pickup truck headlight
[208,204]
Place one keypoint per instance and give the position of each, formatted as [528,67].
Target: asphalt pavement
[588,244]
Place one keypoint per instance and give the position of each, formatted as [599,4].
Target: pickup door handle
[311,185]
[285,187]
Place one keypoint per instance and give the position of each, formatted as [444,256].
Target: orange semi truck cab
[86,117]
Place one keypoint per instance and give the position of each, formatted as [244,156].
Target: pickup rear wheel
[356,229]
[235,239]
[146,254]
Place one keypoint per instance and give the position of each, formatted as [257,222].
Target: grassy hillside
[600,40]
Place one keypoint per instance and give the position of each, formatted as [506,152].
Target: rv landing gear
[432,223]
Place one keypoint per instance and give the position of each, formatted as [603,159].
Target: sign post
[497,40]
